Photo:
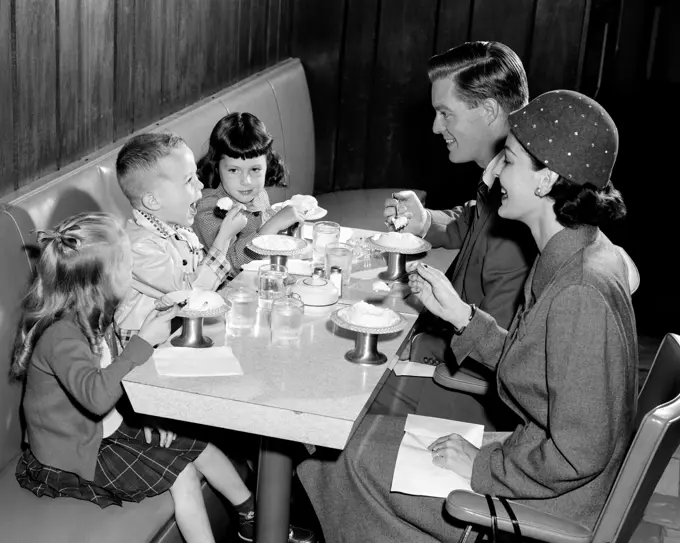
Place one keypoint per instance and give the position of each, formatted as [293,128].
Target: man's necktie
[482,195]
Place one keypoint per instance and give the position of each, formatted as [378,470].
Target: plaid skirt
[128,469]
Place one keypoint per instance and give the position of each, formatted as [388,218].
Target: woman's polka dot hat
[571,134]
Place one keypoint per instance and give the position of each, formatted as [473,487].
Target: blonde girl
[79,444]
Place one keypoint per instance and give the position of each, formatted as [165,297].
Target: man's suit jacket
[494,260]
[495,254]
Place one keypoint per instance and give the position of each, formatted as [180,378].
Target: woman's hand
[437,294]
[166,436]
[455,453]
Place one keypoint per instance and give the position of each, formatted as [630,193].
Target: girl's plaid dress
[128,469]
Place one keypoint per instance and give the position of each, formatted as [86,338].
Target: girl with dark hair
[237,168]
[79,444]
[567,365]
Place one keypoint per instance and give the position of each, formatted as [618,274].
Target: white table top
[308,393]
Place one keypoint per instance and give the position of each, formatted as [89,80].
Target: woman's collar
[559,249]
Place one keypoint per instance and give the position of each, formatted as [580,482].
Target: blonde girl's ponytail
[75,276]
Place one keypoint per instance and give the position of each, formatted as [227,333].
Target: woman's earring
[537,192]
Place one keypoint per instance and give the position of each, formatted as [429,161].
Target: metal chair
[656,439]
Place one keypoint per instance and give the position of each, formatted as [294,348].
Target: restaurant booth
[280,98]
[322,81]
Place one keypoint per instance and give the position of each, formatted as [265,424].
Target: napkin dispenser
[316,291]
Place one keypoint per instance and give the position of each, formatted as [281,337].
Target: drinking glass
[243,310]
[286,320]
[340,255]
[271,281]
[323,233]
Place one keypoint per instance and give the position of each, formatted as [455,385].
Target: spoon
[180,305]
[396,216]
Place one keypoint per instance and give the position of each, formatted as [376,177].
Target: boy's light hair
[78,273]
[140,155]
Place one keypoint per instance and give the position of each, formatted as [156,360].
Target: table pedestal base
[192,334]
[365,351]
[278,259]
[396,268]
[275,470]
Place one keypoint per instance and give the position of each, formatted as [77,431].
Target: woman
[567,366]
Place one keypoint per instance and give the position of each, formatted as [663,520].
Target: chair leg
[464,536]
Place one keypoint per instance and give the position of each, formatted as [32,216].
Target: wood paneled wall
[366,67]
[80,74]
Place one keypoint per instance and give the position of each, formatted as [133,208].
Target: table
[306,393]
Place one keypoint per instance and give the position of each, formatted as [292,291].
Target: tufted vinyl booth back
[280,98]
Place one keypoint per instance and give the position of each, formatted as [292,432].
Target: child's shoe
[246,526]
[301,535]
[246,530]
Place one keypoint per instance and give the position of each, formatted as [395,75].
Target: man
[474,88]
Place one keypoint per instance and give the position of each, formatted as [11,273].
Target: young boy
[157,173]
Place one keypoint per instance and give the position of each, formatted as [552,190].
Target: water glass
[243,310]
[340,255]
[286,320]
[323,233]
[271,282]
